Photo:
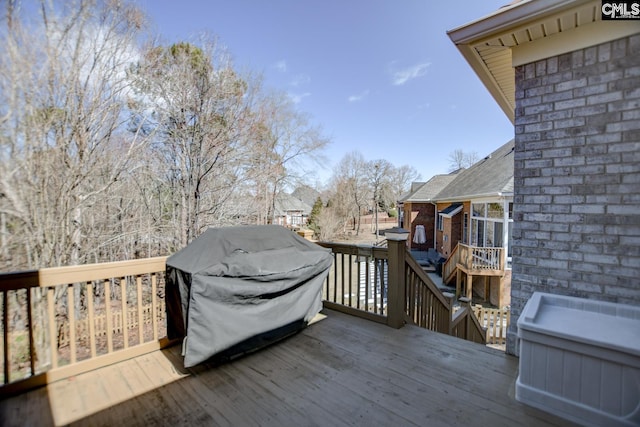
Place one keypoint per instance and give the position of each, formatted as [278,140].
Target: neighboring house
[468,212]
[474,225]
[291,211]
[417,208]
[570,83]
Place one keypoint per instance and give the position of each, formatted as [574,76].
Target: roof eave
[466,198]
[508,17]
[418,201]
[453,213]
[505,18]
[487,79]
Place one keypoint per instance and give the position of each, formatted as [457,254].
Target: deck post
[449,318]
[466,305]
[469,286]
[397,249]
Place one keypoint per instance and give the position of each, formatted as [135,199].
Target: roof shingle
[491,176]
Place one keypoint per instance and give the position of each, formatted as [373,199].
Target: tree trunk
[76,247]
[4,250]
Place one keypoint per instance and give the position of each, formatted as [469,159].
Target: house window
[478,209]
[440,223]
[487,225]
[495,210]
[478,232]
[465,228]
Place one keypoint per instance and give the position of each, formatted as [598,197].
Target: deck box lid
[599,323]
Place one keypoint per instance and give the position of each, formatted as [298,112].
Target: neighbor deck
[342,370]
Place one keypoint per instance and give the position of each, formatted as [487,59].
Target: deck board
[342,370]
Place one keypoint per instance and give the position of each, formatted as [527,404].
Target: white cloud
[300,79]
[298,97]
[359,97]
[401,77]
[281,66]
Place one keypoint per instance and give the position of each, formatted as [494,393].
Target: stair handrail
[449,266]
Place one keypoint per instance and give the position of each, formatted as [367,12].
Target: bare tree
[459,159]
[63,145]
[283,138]
[329,223]
[109,151]
[379,174]
[401,179]
[350,179]
[63,91]
[197,105]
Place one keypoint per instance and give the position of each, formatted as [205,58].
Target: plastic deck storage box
[580,359]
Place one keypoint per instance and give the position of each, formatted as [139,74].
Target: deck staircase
[466,262]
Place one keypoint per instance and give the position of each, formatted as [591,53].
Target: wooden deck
[342,370]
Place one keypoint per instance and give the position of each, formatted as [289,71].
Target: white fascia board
[452,213]
[476,197]
[508,17]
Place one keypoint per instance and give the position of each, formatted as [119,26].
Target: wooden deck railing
[103,325]
[59,322]
[426,306]
[358,280]
[466,325]
[477,259]
[364,280]
[496,321]
[450,265]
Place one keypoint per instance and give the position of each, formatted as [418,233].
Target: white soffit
[493,45]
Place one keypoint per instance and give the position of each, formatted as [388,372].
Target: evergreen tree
[312,222]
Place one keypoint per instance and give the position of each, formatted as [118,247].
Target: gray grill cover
[231,287]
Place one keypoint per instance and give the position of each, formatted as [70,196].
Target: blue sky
[380,76]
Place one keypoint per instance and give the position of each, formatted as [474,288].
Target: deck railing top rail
[53,276]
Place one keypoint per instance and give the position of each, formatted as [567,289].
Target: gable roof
[491,176]
[527,31]
[286,203]
[307,194]
[427,190]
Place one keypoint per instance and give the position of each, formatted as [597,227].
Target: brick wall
[419,214]
[577,177]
